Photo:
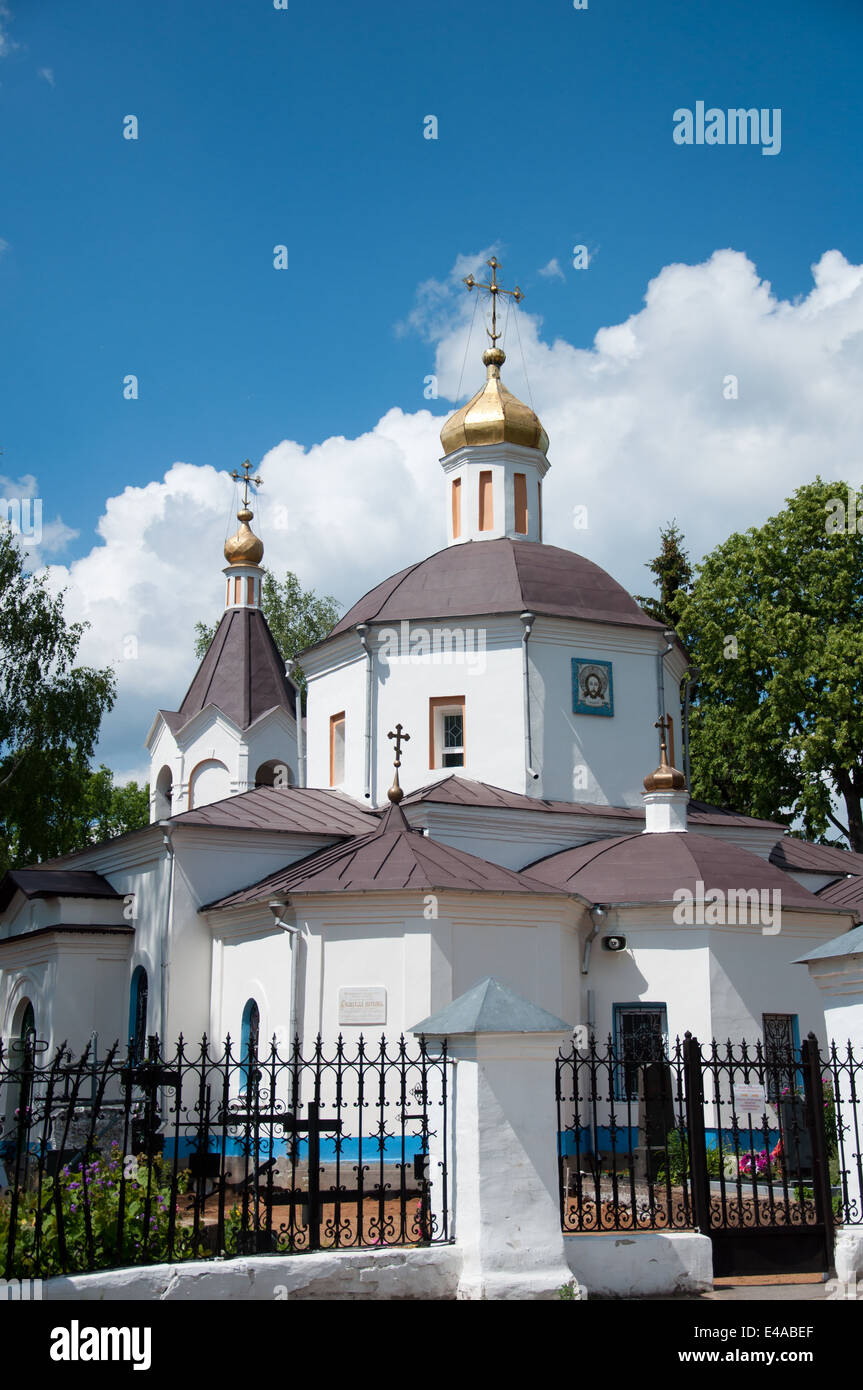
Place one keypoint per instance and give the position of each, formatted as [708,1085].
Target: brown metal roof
[501,576]
[805,857]
[303,810]
[845,892]
[242,673]
[393,857]
[463,791]
[68,929]
[650,868]
[43,882]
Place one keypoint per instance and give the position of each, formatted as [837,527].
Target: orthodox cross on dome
[395,792]
[664,725]
[258,482]
[494,289]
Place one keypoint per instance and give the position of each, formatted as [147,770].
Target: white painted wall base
[345,1274]
[848,1254]
[644,1264]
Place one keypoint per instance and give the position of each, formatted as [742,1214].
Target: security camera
[614,943]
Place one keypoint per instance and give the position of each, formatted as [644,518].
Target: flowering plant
[86,1199]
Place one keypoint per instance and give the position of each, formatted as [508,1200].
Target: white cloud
[48,74]
[640,432]
[552,271]
[23,508]
[6,44]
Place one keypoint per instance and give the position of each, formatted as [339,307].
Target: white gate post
[504,1182]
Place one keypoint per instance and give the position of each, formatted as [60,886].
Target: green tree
[774,620]
[50,713]
[110,810]
[673,577]
[297,618]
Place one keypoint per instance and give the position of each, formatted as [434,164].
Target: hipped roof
[650,868]
[54,883]
[391,858]
[242,673]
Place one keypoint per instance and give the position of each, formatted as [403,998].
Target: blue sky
[304,127]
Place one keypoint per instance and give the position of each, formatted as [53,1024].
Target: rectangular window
[539,507]
[237,584]
[780,1054]
[337,749]
[640,1035]
[250,591]
[446,731]
[520,496]
[486,503]
[456,508]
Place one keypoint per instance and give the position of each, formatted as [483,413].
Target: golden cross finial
[395,792]
[494,290]
[247,468]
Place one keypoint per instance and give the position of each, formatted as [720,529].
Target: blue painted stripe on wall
[625,1140]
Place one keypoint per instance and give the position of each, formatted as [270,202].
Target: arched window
[249,1034]
[23,1028]
[274,774]
[210,781]
[28,1020]
[164,791]
[138,1014]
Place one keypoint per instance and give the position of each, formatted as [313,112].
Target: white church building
[541,833]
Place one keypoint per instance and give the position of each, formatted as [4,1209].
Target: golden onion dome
[666,778]
[245,548]
[494,416]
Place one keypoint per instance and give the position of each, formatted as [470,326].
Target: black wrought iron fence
[727,1135]
[128,1160]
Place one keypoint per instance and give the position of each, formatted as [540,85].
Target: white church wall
[273,738]
[76,984]
[252,963]
[580,757]
[753,974]
[486,674]
[712,981]
[339,689]
[597,757]
[660,966]
[422,961]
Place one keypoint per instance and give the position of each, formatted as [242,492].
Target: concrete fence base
[645,1264]
[848,1255]
[431,1273]
[654,1264]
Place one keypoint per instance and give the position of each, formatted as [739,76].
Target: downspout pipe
[694,676]
[596,915]
[363,634]
[527,620]
[301,743]
[660,671]
[165,946]
[277,906]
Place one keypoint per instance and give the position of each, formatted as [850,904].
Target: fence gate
[759,1156]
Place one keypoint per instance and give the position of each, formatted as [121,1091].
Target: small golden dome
[245,548]
[494,415]
[666,778]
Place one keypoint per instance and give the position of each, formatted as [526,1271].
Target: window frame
[335,720]
[439,705]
